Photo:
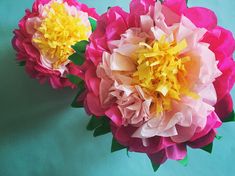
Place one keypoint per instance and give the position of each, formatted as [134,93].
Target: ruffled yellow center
[161,73]
[58,32]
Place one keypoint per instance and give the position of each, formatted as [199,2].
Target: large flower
[162,73]
[45,36]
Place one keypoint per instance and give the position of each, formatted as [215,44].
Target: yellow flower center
[161,73]
[58,32]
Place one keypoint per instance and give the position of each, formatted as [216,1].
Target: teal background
[40,135]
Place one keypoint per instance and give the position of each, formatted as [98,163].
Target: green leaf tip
[218,137]
[80,46]
[208,148]
[116,146]
[155,166]
[74,79]
[100,125]
[77,58]
[93,24]
[184,161]
[230,118]
[22,63]
[75,103]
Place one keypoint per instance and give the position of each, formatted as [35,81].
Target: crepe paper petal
[178,6]
[74,79]
[201,17]
[208,148]
[155,166]
[93,24]
[76,103]
[184,161]
[80,46]
[116,146]
[230,118]
[218,137]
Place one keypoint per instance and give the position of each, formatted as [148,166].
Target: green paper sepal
[77,58]
[93,23]
[218,137]
[155,166]
[74,79]
[100,125]
[184,161]
[230,118]
[80,46]
[81,88]
[116,146]
[22,63]
[208,148]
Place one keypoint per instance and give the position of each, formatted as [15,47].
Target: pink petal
[203,141]
[114,114]
[93,105]
[176,152]
[178,6]
[201,17]
[224,107]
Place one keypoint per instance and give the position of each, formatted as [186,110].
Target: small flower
[45,36]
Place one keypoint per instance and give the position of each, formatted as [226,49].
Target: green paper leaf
[94,123]
[218,137]
[93,23]
[80,46]
[230,118]
[22,63]
[127,152]
[116,146]
[81,88]
[100,125]
[77,58]
[74,79]
[184,161]
[155,166]
[208,148]
[101,130]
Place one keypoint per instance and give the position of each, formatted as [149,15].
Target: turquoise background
[40,135]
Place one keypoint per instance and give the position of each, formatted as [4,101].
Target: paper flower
[45,36]
[159,77]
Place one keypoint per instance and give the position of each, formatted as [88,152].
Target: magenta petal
[55,82]
[201,17]
[115,115]
[178,6]
[225,82]
[176,152]
[213,121]
[224,107]
[204,141]
[159,157]
[93,104]
[138,8]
